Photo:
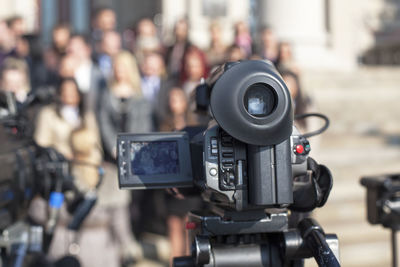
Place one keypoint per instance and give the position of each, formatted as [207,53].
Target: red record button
[299,149]
[191,226]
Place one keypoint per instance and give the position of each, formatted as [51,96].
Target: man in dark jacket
[155,86]
[175,53]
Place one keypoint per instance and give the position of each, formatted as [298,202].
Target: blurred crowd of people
[105,83]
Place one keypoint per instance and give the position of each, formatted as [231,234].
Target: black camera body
[383,198]
[245,159]
[242,177]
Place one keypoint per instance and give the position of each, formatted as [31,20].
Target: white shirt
[151,87]
[71,115]
[83,76]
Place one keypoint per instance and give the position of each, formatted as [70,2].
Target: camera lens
[259,100]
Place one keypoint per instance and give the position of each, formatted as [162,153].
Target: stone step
[363,140]
[354,232]
[340,142]
[365,99]
[341,212]
[357,157]
[366,254]
[364,78]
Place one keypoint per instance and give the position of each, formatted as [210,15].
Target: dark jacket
[174,72]
[161,103]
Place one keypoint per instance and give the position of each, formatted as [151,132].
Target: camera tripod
[256,238]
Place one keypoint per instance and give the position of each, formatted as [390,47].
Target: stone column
[300,22]
[49,11]
[171,12]
[80,15]
[199,22]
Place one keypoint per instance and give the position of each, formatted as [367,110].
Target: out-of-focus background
[345,56]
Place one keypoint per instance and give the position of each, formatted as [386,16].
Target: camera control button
[213,172]
[214,143]
[307,148]
[299,149]
[214,151]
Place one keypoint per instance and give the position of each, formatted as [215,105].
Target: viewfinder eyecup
[252,103]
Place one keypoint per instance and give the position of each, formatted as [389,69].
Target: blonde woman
[123,107]
[15,78]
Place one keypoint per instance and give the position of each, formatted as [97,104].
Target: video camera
[383,206]
[28,170]
[250,164]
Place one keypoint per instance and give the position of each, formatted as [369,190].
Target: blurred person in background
[177,115]
[17,29]
[301,102]
[243,38]
[104,20]
[110,45]
[48,89]
[147,40]
[17,26]
[216,53]
[15,78]
[88,76]
[176,52]
[124,108]
[285,58]
[268,46]
[22,48]
[104,238]
[194,68]
[67,67]
[47,73]
[176,119]
[235,53]
[28,48]
[25,46]
[155,85]
[57,121]
[7,42]
[60,37]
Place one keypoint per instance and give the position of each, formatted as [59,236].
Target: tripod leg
[395,248]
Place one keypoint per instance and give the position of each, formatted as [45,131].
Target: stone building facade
[327,34]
